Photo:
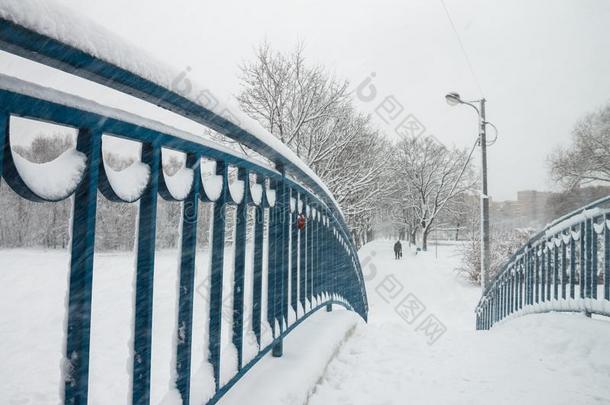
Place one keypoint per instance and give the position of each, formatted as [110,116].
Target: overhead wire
[463,48]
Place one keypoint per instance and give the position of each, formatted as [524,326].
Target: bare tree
[310,111]
[587,160]
[430,177]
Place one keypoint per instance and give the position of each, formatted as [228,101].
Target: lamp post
[454,99]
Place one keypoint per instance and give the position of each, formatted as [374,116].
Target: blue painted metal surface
[187,281]
[321,263]
[81,270]
[556,270]
[145,266]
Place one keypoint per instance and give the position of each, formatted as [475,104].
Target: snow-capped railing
[316,258]
[565,267]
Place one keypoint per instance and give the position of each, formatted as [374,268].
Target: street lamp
[454,99]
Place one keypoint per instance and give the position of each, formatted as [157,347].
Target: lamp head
[453,99]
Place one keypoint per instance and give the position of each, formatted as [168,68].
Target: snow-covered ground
[419,346]
[536,359]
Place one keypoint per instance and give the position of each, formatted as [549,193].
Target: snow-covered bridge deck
[554,358]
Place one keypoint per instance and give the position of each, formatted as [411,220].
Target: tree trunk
[424,239]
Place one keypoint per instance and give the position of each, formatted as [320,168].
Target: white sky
[541,64]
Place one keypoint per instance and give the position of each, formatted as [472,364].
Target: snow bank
[290,379]
[52,180]
[49,18]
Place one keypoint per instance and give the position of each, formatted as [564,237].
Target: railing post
[81,269]
[241,223]
[216,272]
[190,208]
[151,155]
[257,270]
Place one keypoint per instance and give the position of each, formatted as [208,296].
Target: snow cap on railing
[48,18]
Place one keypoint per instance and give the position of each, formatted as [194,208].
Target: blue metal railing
[559,269]
[326,256]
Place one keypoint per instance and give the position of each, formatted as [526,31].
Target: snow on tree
[429,178]
[311,112]
[587,160]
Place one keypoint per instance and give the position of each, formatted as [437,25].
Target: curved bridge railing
[308,267]
[565,267]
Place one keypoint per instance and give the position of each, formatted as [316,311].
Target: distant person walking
[397,250]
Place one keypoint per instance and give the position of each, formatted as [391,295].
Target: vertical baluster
[497,303]
[572,266]
[314,253]
[310,268]
[549,273]
[555,272]
[241,225]
[216,272]
[303,257]
[583,260]
[522,283]
[285,253]
[593,262]
[502,297]
[507,294]
[81,266]
[518,286]
[272,262]
[528,276]
[317,256]
[282,207]
[151,155]
[328,267]
[542,272]
[5,120]
[607,258]
[564,267]
[510,293]
[333,259]
[536,275]
[257,269]
[588,257]
[294,233]
[187,281]
[515,305]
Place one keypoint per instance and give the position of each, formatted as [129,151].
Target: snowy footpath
[420,346]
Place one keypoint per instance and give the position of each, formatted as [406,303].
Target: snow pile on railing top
[53,20]
[571,221]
